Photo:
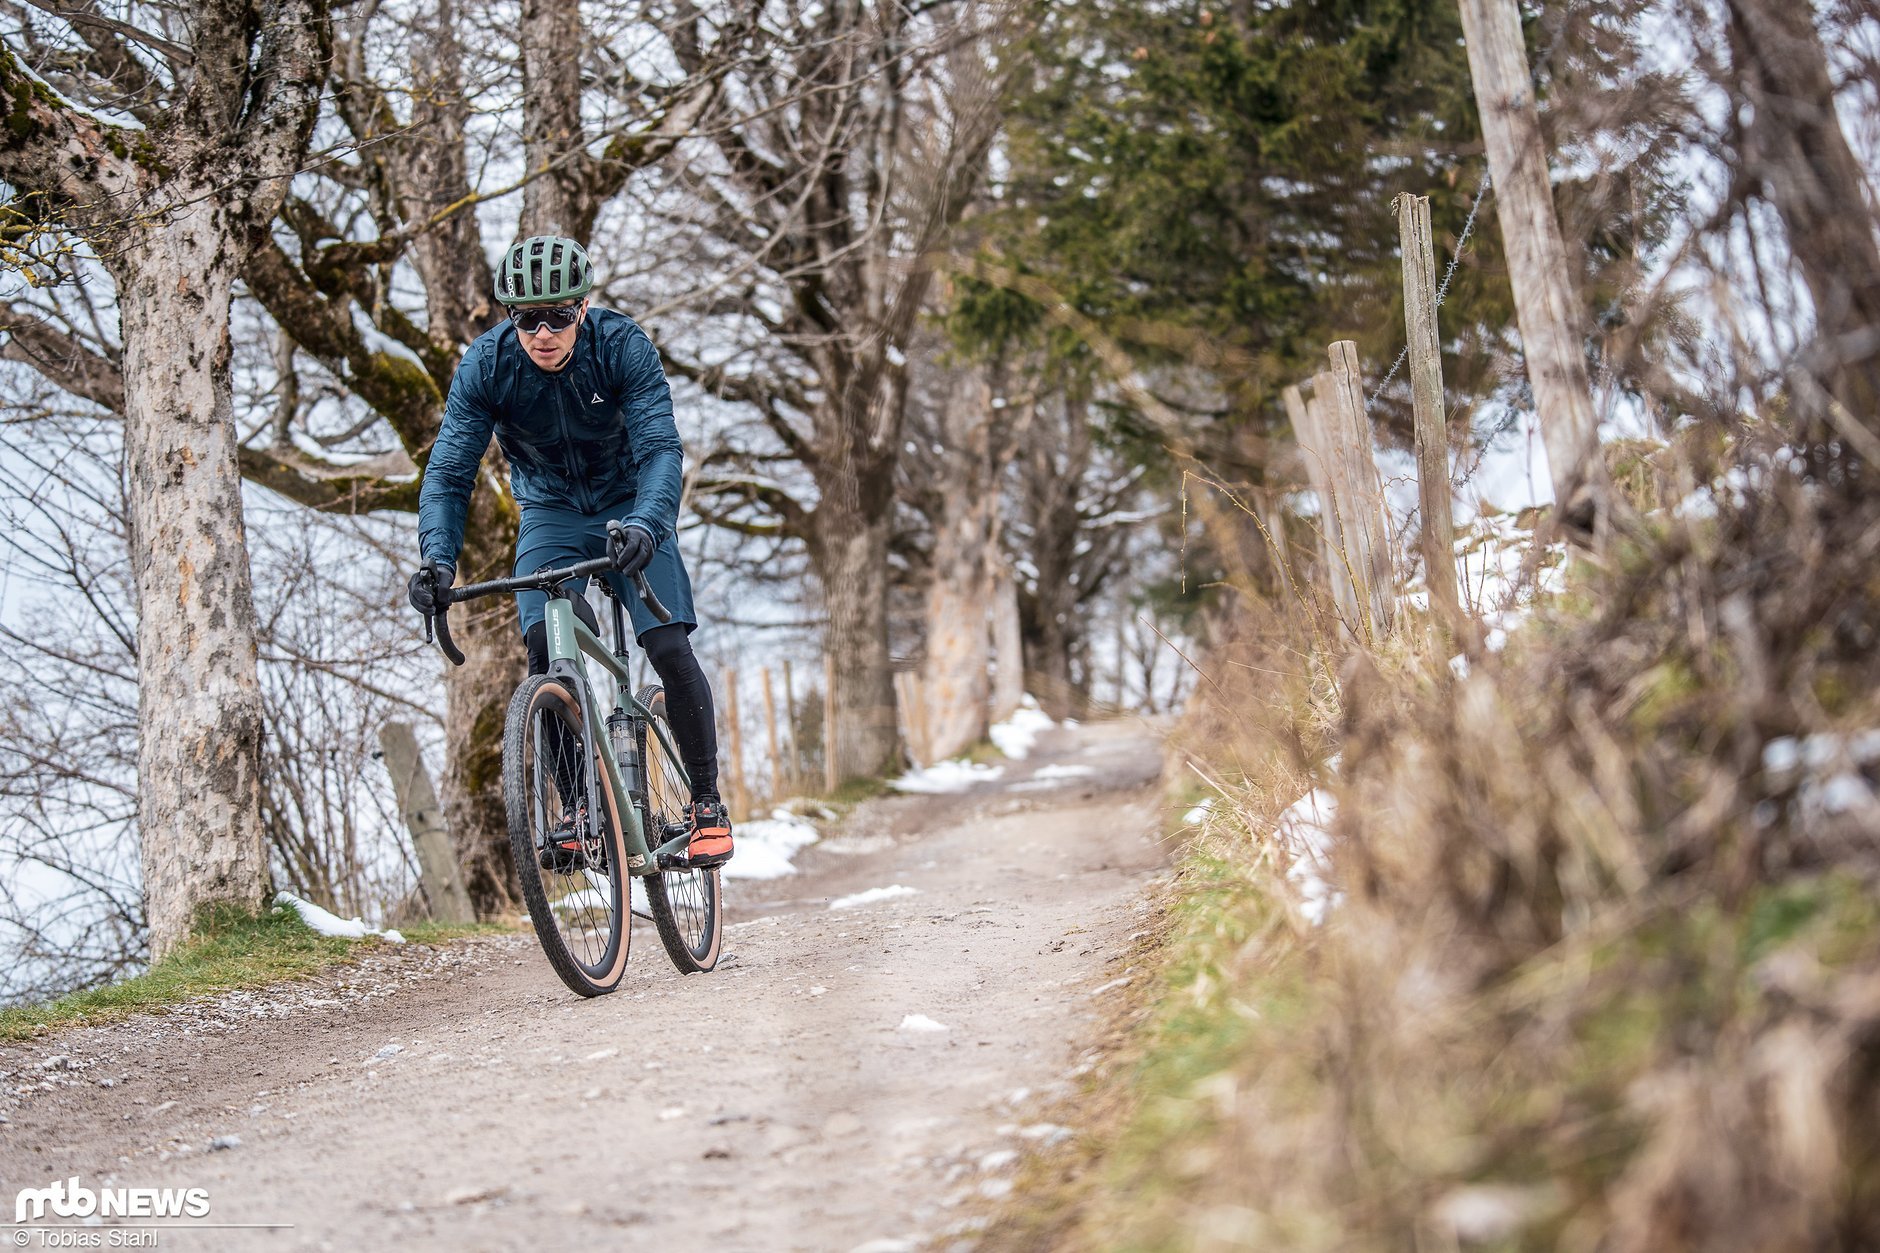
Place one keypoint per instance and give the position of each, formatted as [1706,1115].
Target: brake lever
[444,642]
[648,599]
[443,639]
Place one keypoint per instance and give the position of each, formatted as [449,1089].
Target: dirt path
[458,1098]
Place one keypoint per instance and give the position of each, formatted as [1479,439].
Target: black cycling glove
[629,547]
[430,579]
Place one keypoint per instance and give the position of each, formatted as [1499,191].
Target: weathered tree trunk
[850,553]
[1051,645]
[556,202]
[476,696]
[439,873]
[175,211]
[459,305]
[1799,155]
[199,720]
[449,257]
[956,671]
[1057,458]
[1008,643]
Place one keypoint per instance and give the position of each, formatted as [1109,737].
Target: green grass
[444,932]
[232,949]
[854,792]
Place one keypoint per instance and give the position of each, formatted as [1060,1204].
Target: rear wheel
[571,862]
[686,905]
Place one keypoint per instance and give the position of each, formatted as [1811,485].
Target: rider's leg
[689,710]
[688,705]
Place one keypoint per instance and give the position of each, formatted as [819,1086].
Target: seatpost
[620,628]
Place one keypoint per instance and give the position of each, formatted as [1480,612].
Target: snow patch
[1015,736]
[873,895]
[920,1022]
[1490,554]
[1199,814]
[324,923]
[583,901]
[766,848]
[109,117]
[1832,772]
[1304,833]
[946,776]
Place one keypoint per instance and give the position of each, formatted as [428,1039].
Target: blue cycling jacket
[599,431]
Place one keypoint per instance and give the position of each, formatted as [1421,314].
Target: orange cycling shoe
[562,851]
[711,832]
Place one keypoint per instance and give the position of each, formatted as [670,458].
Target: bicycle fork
[564,665]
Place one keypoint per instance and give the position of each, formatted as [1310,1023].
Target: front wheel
[686,905]
[571,862]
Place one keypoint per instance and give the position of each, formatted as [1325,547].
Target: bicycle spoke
[565,850]
[685,902]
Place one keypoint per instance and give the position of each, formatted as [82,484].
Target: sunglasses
[554,317]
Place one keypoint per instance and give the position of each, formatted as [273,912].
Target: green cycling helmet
[544,268]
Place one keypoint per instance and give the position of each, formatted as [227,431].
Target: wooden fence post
[831,777]
[1310,430]
[794,772]
[417,801]
[1008,645]
[1537,260]
[1369,526]
[1426,387]
[740,793]
[770,724]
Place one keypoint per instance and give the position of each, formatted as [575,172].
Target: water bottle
[620,731]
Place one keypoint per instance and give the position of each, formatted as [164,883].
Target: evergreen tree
[1212,183]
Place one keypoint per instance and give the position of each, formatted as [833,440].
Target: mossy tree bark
[173,210]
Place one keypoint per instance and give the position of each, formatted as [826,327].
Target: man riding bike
[578,401]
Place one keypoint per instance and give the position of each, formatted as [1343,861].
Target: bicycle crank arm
[672,854]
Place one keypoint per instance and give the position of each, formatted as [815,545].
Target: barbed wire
[1442,289]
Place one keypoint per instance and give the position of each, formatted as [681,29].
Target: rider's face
[548,348]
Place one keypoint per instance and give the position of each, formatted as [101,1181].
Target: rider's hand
[424,587]
[629,547]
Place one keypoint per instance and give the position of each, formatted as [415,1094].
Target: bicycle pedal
[674,861]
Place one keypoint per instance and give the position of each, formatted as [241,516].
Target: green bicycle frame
[568,641]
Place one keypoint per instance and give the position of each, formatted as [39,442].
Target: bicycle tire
[687,905]
[565,902]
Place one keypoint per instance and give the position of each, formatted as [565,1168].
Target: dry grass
[1607,971]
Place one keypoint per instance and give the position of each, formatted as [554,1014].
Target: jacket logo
[596,400]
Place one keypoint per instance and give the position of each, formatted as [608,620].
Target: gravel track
[458,1098]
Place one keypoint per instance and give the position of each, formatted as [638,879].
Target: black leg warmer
[688,705]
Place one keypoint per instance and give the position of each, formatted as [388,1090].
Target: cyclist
[578,402]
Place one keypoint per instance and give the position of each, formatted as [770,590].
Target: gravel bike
[589,809]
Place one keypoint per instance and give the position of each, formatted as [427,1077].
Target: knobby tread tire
[551,694]
[688,958]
